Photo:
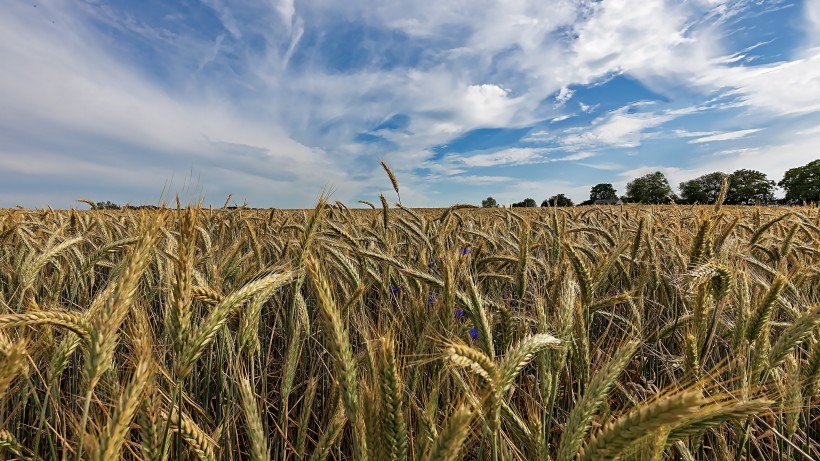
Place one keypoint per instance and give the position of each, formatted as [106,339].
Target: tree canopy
[603,191]
[649,188]
[527,203]
[703,189]
[489,202]
[743,187]
[107,205]
[747,187]
[558,200]
[802,184]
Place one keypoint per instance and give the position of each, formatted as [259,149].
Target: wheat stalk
[449,442]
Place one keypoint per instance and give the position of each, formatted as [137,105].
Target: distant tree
[107,205]
[649,188]
[802,184]
[558,200]
[489,202]
[603,191]
[703,189]
[747,187]
[527,203]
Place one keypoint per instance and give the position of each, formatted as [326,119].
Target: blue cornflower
[431,299]
[395,290]
[465,250]
[473,333]
[459,313]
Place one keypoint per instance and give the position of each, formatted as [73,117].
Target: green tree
[489,202]
[558,200]
[747,187]
[802,184]
[603,191]
[107,205]
[704,189]
[527,203]
[649,188]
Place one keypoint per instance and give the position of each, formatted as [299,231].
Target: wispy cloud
[728,136]
[742,151]
[519,156]
[515,156]
[618,128]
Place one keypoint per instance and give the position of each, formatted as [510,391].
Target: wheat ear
[12,362]
[202,336]
[392,177]
[253,421]
[580,418]
[392,402]
[793,335]
[113,436]
[448,444]
[626,431]
[341,352]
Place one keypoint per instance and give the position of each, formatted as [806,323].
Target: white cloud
[809,131]
[564,95]
[603,166]
[255,108]
[479,180]
[287,9]
[812,26]
[487,104]
[585,108]
[573,157]
[689,134]
[518,156]
[103,119]
[741,151]
[727,136]
[514,156]
[786,88]
[618,128]
[644,38]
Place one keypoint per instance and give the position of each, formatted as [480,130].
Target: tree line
[744,187]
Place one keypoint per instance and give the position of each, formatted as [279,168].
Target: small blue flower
[431,299]
[459,313]
[473,333]
[465,250]
[395,290]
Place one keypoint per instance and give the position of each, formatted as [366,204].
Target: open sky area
[275,101]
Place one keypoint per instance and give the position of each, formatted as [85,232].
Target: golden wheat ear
[392,177]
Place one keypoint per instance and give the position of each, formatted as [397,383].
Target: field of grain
[630,332]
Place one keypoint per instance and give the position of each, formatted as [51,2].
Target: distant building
[608,201]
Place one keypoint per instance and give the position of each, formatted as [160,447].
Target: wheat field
[630,332]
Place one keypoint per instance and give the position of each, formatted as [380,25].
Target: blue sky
[276,101]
